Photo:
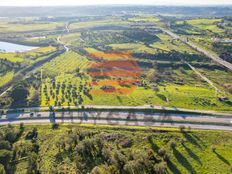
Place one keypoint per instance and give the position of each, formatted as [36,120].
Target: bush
[55,125]
[161,152]
[21,126]
[182,128]
[172,144]
[2,170]
[160,168]
[126,143]
[166,158]
[5,156]
[32,134]
[5,145]
[213,148]
[11,136]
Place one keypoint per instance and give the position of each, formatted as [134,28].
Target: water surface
[11,47]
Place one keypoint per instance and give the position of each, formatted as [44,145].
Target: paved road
[132,107]
[124,122]
[206,53]
[124,118]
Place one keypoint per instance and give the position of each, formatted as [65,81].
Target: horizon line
[85,5]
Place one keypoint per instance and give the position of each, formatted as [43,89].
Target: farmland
[123,61]
[213,34]
[115,90]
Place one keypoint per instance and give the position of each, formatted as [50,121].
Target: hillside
[113,150]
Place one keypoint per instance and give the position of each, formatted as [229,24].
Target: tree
[32,134]
[135,166]
[32,164]
[160,168]
[119,160]
[2,170]
[161,152]
[11,136]
[5,157]
[5,145]
[55,125]
[172,144]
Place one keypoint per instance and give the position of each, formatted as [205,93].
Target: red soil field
[115,73]
[128,65]
[110,55]
[122,68]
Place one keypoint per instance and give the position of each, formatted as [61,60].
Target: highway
[123,118]
[206,53]
[142,107]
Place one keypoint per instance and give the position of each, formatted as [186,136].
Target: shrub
[32,134]
[2,170]
[5,145]
[5,156]
[172,144]
[161,152]
[213,148]
[55,125]
[126,143]
[160,168]
[21,126]
[166,158]
[182,128]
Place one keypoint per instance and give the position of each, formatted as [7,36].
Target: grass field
[144,19]
[27,57]
[120,61]
[65,63]
[97,23]
[170,95]
[193,151]
[6,77]
[167,44]
[206,24]
[65,89]
[30,25]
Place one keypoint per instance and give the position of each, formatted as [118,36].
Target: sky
[103,2]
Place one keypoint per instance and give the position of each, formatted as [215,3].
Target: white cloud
[93,2]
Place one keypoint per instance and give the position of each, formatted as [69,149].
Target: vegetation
[124,60]
[111,149]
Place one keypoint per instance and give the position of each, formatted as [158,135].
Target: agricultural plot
[6,77]
[27,57]
[206,24]
[92,23]
[144,19]
[64,90]
[225,82]
[66,63]
[122,61]
[29,25]
[213,35]
[167,44]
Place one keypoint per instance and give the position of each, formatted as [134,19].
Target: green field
[98,47]
[113,149]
